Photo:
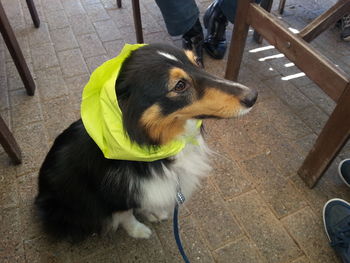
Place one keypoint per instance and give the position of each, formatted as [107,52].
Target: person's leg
[336,218]
[182,18]
[215,20]
[344,171]
[179,16]
[345,28]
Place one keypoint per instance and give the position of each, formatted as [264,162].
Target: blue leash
[180,199]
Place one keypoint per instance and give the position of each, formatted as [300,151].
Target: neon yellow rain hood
[102,116]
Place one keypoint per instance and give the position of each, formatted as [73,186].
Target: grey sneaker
[344,171]
[336,219]
[345,28]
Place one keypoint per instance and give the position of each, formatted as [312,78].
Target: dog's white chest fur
[192,163]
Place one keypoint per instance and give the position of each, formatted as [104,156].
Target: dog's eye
[180,86]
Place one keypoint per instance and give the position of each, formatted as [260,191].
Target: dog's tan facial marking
[191,56]
[175,75]
[161,128]
[165,128]
[214,103]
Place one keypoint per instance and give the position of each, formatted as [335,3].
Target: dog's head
[160,87]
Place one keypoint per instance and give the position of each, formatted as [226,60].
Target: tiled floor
[254,207]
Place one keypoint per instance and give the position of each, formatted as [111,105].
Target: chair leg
[16,53]
[33,13]
[238,40]
[137,20]
[330,141]
[281,6]
[267,5]
[119,3]
[9,143]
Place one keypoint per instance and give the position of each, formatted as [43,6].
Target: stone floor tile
[304,145]
[41,54]
[32,140]
[25,48]
[314,118]
[281,195]
[52,5]
[305,229]
[195,247]
[91,45]
[42,249]
[286,158]
[96,12]
[329,186]
[301,260]
[229,178]
[107,30]
[260,168]
[31,227]
[284,120]
[110,256]
[10,236]
[63,39]
[90,2]
[288,93]
[24,109]
[261,69]
[8,195]
[6,116]
[95,62]
[57,19]
[75,86]
[50,83]
[236,143]
[72,63]
[26,184]
[139,250]
[81,25]
[14,80]
[264,229]
[114,47]
[241,250]
[61,106]
[39,36]
[213,217]
[90,247]
[73,7]
[317,96]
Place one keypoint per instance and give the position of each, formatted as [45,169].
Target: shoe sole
[339,172]
[324,210]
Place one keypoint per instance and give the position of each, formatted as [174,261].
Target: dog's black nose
[250,99]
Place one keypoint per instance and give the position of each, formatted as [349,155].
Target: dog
[162,94]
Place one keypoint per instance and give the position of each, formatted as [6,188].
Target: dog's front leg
[155,215]
[133,227]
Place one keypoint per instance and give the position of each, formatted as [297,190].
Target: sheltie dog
[162,93]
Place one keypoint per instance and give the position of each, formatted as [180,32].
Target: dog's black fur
[79,188]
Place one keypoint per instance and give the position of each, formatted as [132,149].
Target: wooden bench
[332,80]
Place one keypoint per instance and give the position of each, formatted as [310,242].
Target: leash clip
[180,198]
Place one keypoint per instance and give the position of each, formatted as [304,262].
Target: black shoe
[344,171]
[194,39]
[215,22]
[336,218]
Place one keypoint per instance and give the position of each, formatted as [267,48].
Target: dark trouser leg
[179,15]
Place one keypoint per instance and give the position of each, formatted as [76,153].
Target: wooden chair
[6,138]
[332,80]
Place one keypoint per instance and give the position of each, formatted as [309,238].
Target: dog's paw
[139,230]
[157,217]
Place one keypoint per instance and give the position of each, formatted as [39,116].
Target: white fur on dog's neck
[191,164]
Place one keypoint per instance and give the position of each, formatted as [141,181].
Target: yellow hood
[103,121]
